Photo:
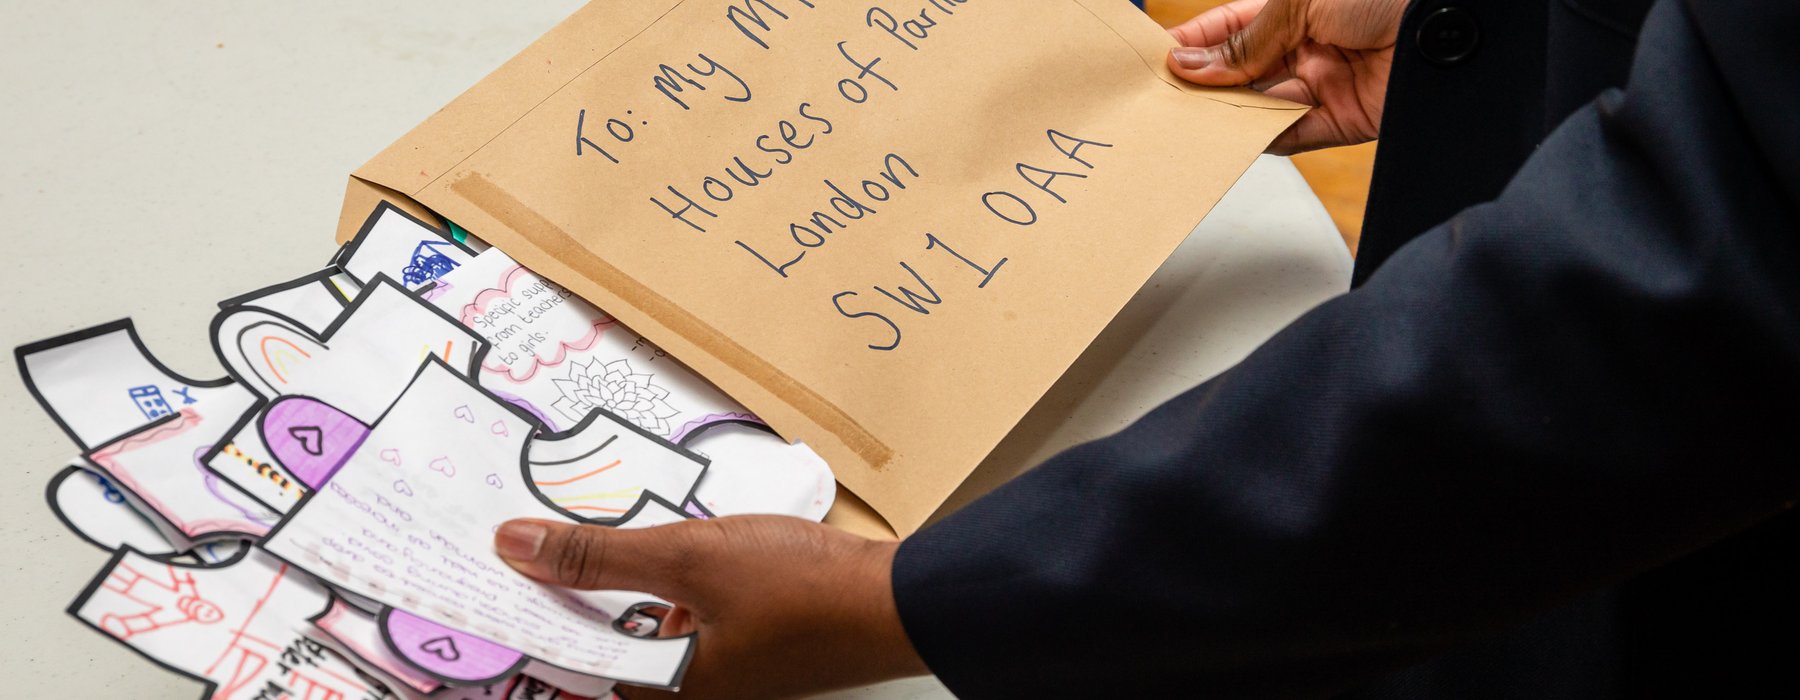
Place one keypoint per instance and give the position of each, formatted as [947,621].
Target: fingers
[589,557]
[1314,131]
[1212,26]
[1246,39]
[632,692]
[1295,91]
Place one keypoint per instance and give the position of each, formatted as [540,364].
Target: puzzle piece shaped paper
[601,470]
[394,244]
[100,383]
[247,462]
[313,301]
[239,627]
[359,637]
[358,633]
[756,473]
[160,466]
[461,659]
[348,373]
[446,653]
[358,364]
[310,438]
[562,359]
[89,505]
[423,497]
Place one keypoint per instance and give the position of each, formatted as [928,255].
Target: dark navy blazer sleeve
[1596,373]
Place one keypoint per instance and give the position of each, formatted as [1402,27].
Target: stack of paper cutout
[318,523]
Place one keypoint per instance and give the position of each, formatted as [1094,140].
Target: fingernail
[1194,58]
[520,541]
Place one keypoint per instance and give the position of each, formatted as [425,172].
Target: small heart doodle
[312,439]
[391,456]
[441,647]
[494,481]
[465,414]
[403,488]
[443,465]
[501,429]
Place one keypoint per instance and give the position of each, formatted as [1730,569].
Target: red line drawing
[267,594]
[164,604]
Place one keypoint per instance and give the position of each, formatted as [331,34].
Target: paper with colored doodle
[409,521]
[602,469]
[92,508]
[320,388]
[101,383]
[181,477]
[96,511]
[562,359]
[240,627]
[460,659]
[160,466]
[394,244]
[358,364]
[356,634]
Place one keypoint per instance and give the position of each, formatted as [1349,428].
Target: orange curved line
[598,508]
[578,478]
[264,347]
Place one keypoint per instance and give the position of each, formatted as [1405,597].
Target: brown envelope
[886,227]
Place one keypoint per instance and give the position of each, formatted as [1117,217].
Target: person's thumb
[1245,55]
[591,557]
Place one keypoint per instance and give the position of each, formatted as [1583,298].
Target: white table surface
[157,156]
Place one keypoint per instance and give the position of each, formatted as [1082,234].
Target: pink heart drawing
[464,414]
[391,456]
[442,647]
[310,438]
[448,653]
[501,429]
[442,464]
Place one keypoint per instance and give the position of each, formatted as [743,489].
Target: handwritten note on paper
[885,227]
[409,522]
[560,358]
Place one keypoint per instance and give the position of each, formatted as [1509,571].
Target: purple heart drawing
[464,414]
[403,488]
[442,464]
[442,647]
[310,438]
[494,481]
[447,653]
